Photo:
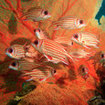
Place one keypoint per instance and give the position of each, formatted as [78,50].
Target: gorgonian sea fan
[13,30]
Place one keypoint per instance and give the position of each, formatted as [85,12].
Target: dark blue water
[101,12]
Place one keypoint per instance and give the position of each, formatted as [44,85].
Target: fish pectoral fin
[86,46]
[49,58]
[56,28]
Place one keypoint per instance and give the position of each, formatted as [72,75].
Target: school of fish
[31,59]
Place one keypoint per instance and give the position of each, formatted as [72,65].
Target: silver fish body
[69,23]
[85,39]
[21,65]
[52,50]
[36,14]
[39,75]
[16,51]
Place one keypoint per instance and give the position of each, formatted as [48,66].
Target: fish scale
[69,23]
[52,50]
[86,39]
[39,74]
[55,52]
[54,55]
[24,65]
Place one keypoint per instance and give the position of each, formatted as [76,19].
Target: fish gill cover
[70,85]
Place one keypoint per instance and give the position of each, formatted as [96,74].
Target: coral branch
[53,35]
[17,14]
[4,7]
[11,7]
[68,8]
[3,39]
[19,5]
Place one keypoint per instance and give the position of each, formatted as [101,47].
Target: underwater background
[69,87]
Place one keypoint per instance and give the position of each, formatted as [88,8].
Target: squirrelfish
[40,34]
[69,23]
[21,65]
[85,39]
[64,41]
[80,53]
[16,51]
[36,14]
[52,50]
[39,75]
[83,71]
[98,58]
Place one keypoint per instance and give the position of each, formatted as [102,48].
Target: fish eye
[13,64]
[81,21]
[34,30]
[83,69]
[72,43]
[36,42]
[46,12]
[76,36]
[102,55]
[39,30]
[54,71]
[10,50]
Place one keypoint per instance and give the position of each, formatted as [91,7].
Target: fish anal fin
[48,57]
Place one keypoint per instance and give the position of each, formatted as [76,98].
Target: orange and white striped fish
[85,39]
[36,14]
[52,50]
[40,34]
[20,65]
[69,23]
[16,51]
[64,41]
[80,53]
[39,75]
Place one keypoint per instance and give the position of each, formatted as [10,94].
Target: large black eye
[54,71]
[46,12]
[102,55]
[36,42]
[72,43]
[81,21]
[13,64]
[83,69]
[76,36]
[10,50]
[39,30]
[34,30]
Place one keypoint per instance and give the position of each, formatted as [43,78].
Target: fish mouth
[49,16]
[10,67]
[8,54]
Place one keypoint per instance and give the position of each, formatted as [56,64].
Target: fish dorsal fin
[33,8]
[62,18]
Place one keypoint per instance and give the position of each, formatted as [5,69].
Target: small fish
[36,14]
[52,50]
[39,75]
[98,58]
[69,23]
[16,51]
[85,39]
[21,65]
[83,71]
[79,53]
[64,41]
[40,34]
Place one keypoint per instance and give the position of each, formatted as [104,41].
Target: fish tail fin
[70,56]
